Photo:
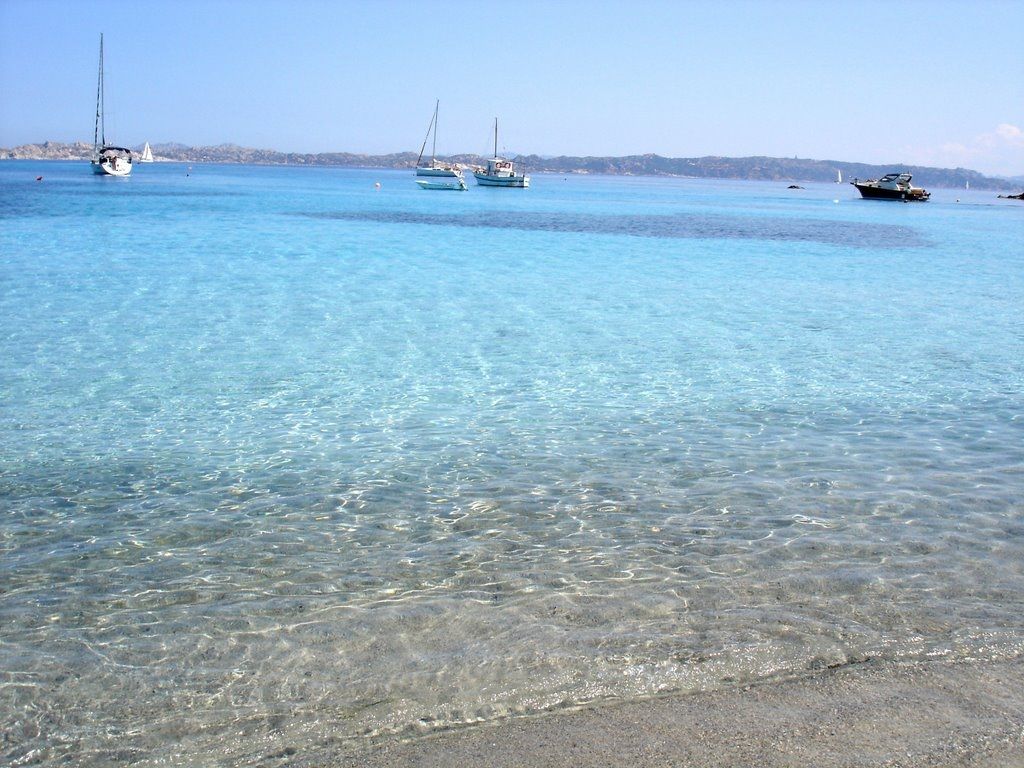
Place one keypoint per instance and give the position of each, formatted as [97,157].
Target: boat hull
[451,186]
[447,172]
[872,192]
[108,168]
[484,180]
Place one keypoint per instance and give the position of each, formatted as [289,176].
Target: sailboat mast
[99,134]
[423,146]
[495,137]
[433,148]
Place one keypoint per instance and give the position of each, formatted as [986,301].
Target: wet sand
[869,714]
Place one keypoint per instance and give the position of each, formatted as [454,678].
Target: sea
[296,458]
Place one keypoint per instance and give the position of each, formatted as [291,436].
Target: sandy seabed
[869,714]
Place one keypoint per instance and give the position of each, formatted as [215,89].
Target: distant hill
[755,168]
[760,168]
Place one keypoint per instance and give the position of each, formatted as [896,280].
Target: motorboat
[892,186]
[456,184]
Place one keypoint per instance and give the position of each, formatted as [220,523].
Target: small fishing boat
[107,160]
[500,172]
[892,186]
[435,167]
[457,184]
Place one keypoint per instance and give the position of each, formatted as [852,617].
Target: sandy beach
[869,714]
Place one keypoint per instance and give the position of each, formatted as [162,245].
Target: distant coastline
[712,167]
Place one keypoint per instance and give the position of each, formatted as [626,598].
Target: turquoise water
[290,462]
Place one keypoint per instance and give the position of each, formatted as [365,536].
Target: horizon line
[233,145]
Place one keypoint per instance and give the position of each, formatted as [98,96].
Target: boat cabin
[116,152]
[499,166]
[895,181]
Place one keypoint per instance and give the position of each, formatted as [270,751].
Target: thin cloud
[1011,134]
[999,151]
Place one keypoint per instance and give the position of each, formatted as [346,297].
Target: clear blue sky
[928,82]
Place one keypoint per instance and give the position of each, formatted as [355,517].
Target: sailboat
[500,172]
[839,177]
[435,167]
[107,160]
[147,154]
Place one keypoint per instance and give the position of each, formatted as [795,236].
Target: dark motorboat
[892,186]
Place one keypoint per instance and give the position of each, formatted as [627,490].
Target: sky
[922,82]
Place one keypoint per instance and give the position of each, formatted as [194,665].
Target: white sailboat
[500,172]
[839,177]
[107,160]
[147,154]
[435,167]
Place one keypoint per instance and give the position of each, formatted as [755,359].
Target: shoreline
[875,713]
[163,161]
[761,169]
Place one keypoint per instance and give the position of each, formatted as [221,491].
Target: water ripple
[273,481]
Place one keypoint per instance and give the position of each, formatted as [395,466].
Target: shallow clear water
[288,461]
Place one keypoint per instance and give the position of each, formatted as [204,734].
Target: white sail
[839,177]
[147,154]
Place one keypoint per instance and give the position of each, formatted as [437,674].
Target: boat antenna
[98,131]
[423,146]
